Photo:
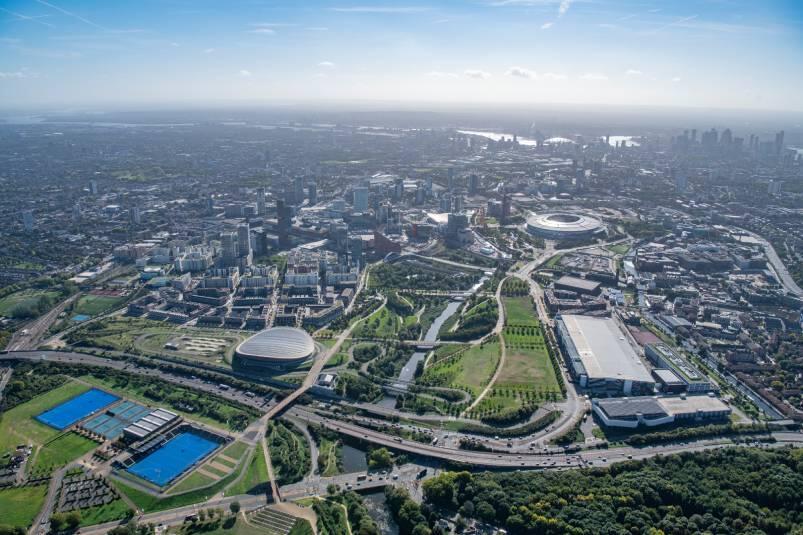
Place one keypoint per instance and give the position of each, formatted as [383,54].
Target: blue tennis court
[111,422]
[173,458]
[64,415]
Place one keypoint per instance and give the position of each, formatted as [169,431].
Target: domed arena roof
[278,344]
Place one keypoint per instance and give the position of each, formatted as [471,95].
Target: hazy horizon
[735,55]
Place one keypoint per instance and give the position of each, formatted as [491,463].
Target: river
[523,141]
[407,373]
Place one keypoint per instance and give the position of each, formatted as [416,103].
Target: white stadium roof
[278,344]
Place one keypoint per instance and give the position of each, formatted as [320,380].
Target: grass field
[527,366]
[193,481]
[527,376]
[19,506]
[99,514]
[619,248]
[23,298]
[328,455]
[92,305]
[383,324]
[256,475]
[149,337]
[520,311]
[17,426]
[553,262]
[234,451]
[63,450]
[470,371]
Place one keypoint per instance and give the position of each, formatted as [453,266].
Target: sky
[702,53]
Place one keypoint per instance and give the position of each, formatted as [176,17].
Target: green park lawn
[109,512]
[18,426]
[19,506]
[382,324]
[191,482]
[527,363]
[256,475]
[471,370]
[24,298]
[328,452]
[520,311]
[92,305]
[63,450]
[619,248]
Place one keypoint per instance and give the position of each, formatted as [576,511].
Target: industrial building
[277,347]
[664,357]
[578,285]
[600,358]
[651,411]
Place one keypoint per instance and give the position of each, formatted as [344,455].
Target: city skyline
[687,54]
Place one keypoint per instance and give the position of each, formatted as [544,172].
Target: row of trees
[734,490]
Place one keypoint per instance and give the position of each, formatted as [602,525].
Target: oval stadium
[277,347]
[563,225]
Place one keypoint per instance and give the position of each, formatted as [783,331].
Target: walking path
[500,324]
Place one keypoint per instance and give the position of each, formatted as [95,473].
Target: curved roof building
[278,346]
[563,225]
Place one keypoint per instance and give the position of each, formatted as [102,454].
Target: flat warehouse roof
[604,350]
[577,282]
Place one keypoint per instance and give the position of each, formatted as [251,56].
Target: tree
[57,522]
[234,507]
[380,458]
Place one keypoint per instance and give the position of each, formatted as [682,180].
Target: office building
[312,194]
[228,244]
[284,217]
[28,220]
[361,199]
[261,209]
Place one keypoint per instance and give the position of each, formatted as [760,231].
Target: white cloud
[563,5]
[547,25]
[174,44]
[382,9]
[595,76]
[477,74]
[209,50]
[633,72]
[317,29]
[245,74]
[554,76]
[263,31]
[520,72]
[7,75]
[441,74]
[326,65]
[676,79]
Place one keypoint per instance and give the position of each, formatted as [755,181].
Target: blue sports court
[64,415]
[173,458]
[111,422]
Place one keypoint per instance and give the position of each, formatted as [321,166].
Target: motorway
[31,334]
[777,264]
[516,459]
